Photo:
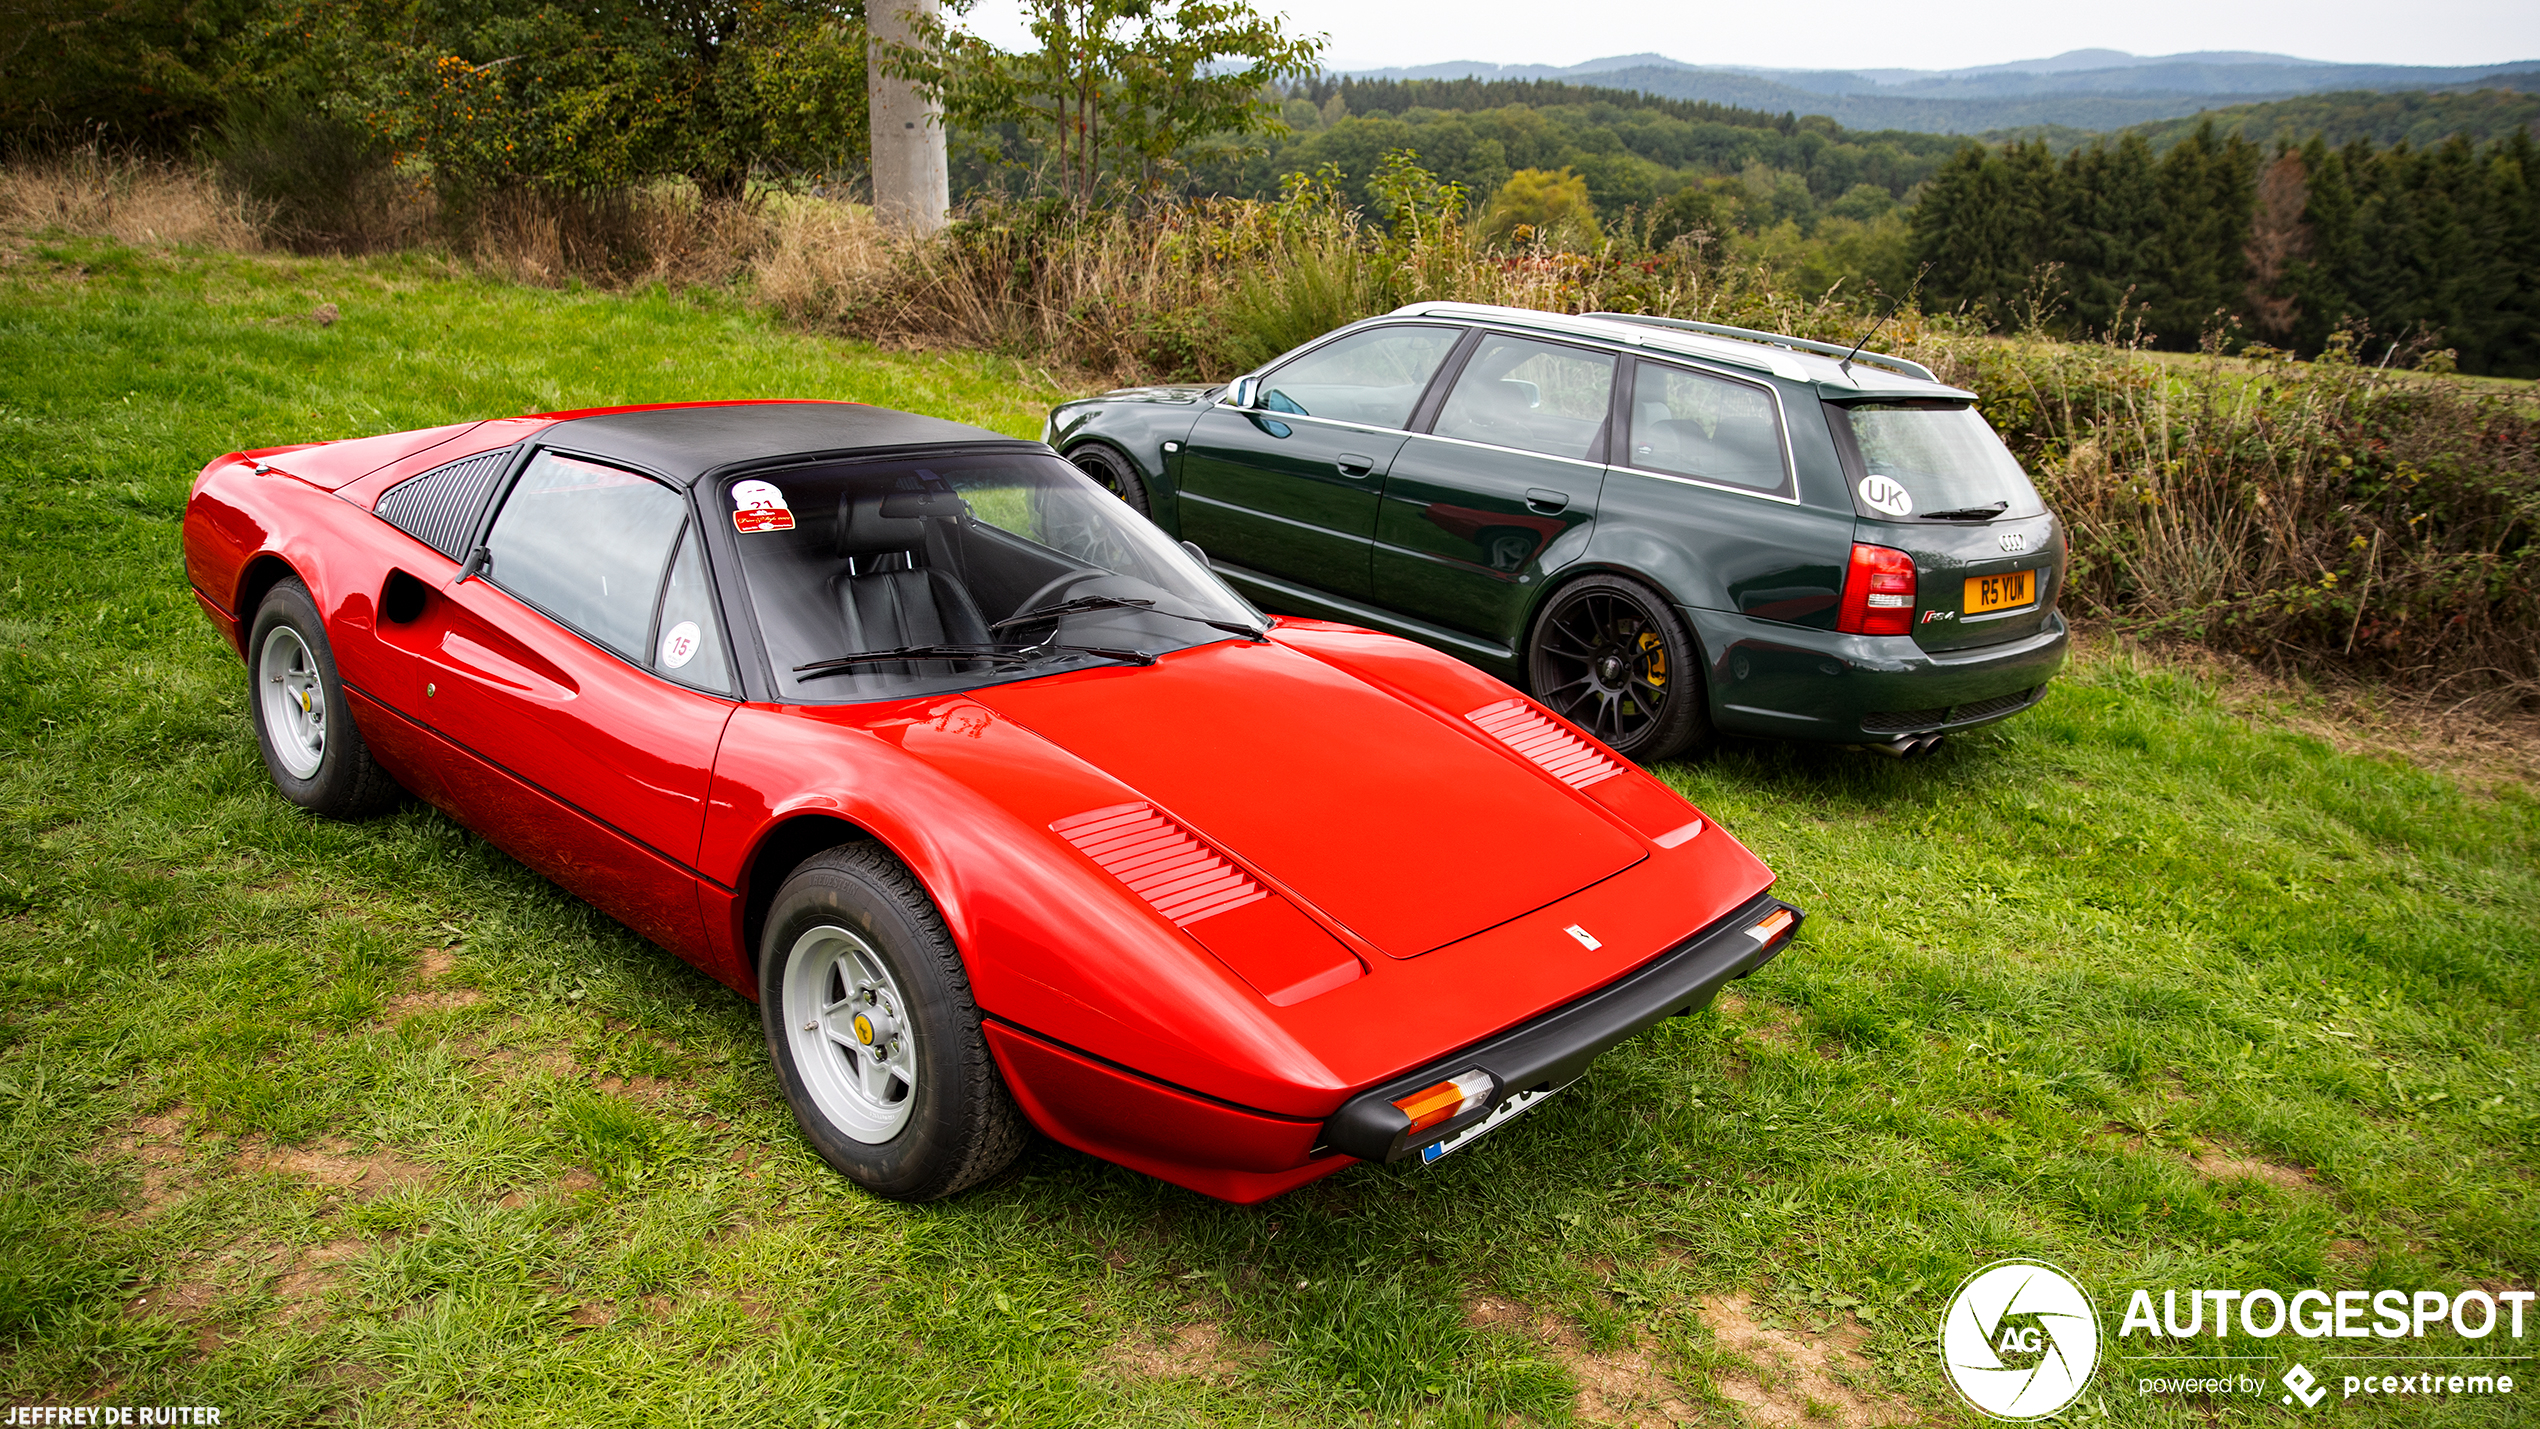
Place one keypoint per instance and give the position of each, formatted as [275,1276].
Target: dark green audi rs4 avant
[1658,528]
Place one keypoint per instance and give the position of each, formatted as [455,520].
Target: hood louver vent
[1160,861]
[1563,755]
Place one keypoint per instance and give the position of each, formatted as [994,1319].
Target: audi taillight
[1878,593]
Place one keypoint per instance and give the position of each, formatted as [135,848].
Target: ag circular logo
[2019,1340]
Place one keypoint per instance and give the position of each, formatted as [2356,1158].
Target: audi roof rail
[1775,339]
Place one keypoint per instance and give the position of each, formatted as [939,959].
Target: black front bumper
[1555,1048]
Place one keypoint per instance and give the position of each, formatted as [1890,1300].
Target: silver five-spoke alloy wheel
[294,701]
[851,1033]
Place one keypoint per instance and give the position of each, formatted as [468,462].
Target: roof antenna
[1846,364]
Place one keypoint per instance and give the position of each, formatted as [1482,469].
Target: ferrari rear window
[876,580]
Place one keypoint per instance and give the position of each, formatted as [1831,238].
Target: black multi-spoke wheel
[1113,473]
[1611,657]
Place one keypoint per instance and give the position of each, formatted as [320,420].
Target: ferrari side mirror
[1244,392]
[479,562]
[1196,553]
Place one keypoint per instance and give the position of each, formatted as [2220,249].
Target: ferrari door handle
[1352,464]
[1545,502]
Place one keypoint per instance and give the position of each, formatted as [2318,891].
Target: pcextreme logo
[2019,1340]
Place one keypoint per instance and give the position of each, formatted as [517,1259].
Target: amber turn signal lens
[1773,926]
[1445,1101]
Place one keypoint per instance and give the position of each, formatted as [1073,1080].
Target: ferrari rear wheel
[873,1032]
[1113,473]
[1611,656]
[303,726]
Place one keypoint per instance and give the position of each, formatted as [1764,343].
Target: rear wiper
[1007,654]
[1967,513]
[1082,604]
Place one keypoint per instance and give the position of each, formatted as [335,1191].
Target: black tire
[304,726]
[1114,473]
[851,910]
[1611,656]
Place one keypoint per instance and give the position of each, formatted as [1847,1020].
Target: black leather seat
[888,599]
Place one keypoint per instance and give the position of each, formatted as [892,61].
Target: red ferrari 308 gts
[1005,809]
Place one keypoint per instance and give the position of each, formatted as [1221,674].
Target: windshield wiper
[1008,654]
[1967,513]
[1082,604]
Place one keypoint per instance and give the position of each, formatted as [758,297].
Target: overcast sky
[1911,34]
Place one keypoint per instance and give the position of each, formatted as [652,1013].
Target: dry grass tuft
[131,200]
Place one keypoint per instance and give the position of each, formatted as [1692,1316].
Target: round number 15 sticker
[679,644]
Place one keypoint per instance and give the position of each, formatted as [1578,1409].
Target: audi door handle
[1352,464]
[1546,502]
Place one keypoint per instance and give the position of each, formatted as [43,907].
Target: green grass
[366,1123]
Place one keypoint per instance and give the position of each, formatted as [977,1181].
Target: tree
[1119,90]
[604,93]
[140,71]
[1546,207]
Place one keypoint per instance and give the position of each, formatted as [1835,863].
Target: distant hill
[2419,118]
[2083,89]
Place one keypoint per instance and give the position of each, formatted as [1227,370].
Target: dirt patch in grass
[186,1302]
[1794,1380]
[155,1145]
[1621,1386]
[302,1288]
[436,964]
[336,1163]
[1194,1350]
[2222,1163]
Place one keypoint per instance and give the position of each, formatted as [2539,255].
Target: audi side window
[1534,396]
[1692,424]
[587,545]
[687,640]
[1375,377]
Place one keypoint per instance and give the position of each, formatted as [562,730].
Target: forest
[2398,218]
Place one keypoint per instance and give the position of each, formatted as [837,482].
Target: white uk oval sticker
[679,644]
[1883,494]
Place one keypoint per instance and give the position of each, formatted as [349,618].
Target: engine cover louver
[1563,755]
[1160,861]
[439,507]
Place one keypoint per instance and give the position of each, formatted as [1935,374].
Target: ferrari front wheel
[873,1033]
[304,728]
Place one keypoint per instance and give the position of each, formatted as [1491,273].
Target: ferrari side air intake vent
[1563,755]
[439,507]
[1161,861]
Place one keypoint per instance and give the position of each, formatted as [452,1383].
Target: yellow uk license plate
[2006,591]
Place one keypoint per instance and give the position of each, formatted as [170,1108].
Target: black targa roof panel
[684,443]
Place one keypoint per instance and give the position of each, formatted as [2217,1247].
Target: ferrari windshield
[874,580]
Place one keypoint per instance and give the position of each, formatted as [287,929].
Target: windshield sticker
[679,644]
[762,508]
[1882,494]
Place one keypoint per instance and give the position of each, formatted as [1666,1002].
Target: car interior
[1742,453]
[888,560]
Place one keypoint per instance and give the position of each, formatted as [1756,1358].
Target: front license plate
[2007,591]
[1502,1114]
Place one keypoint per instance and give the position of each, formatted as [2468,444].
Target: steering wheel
[1040,597]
